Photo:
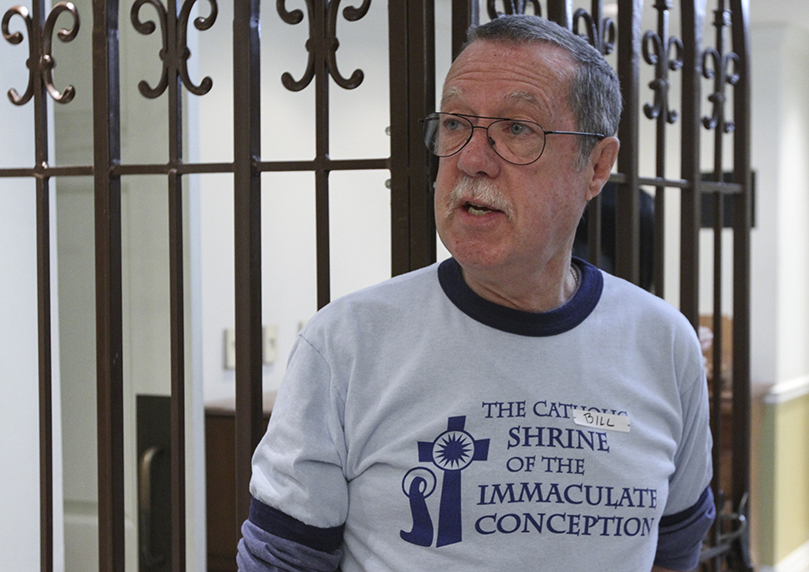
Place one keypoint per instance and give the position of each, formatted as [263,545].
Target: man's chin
[476,256]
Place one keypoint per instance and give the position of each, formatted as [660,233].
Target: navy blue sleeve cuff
[680,535]
[284,526]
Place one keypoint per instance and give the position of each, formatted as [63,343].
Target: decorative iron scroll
[600,31]
[43,66]
[178,54]
[666,54]
[721,74]
[512,7]
[326,45]
[733,536]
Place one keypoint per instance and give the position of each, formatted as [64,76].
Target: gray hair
[595,94]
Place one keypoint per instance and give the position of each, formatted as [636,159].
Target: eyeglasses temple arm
[600,135]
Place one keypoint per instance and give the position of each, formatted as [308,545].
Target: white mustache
[482,192]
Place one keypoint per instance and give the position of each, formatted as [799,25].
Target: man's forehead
[537,53]
[511,75]
[513,98]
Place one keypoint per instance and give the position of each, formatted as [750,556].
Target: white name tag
[606,421]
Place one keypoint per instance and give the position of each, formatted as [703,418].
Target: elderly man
[511,408]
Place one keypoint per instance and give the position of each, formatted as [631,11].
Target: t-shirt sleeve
[298,465]
[680,535]
[690,507]
[274,541]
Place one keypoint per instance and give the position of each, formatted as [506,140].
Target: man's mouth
[479,198]
[477,210]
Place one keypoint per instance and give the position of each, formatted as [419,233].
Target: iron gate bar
[560,11]
[45,171]
[723,76]
[742,210]
[109,322]
[464,15]
[411,53]
[399,148]
[172,168]
[693,19]
[317,56]
[722,188]
[718,394]
[322,64]
[45,374]
[172,69]
[40,65]
[562,15]
[36,49]
[600,30]
[601,35]
[663,182]
[657,50]
[208,168]
[720,126]
[717,124]
[324,165]
[627,206]
[421,101]
[247,243]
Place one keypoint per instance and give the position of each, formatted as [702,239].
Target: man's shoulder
[396,290]
[635,303]
[401,294]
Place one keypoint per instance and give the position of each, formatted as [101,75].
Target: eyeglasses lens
[517,142]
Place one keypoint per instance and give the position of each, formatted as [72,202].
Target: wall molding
[787,390]
[797,561]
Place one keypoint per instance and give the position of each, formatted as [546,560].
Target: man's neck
[540,292]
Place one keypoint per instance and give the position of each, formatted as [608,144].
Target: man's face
[491,214]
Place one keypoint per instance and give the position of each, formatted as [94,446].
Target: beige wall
[782,470]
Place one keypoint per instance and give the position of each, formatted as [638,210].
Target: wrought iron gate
[720,57]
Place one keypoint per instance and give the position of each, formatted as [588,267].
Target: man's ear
[602,158]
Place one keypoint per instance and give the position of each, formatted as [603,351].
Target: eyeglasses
[516,141]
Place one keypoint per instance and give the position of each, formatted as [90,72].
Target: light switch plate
[230,348]
[270,343]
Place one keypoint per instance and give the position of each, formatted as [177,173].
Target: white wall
[19,429]
[780,309]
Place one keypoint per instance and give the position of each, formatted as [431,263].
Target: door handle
[145,472]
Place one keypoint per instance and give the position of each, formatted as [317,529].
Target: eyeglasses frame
[438,114]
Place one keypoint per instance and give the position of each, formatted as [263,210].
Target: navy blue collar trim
[558,321]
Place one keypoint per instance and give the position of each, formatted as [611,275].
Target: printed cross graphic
[452,452]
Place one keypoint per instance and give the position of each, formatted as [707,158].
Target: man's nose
[478,156]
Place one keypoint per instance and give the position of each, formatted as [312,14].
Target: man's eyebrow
[537,104]
[516,97]
[451,93]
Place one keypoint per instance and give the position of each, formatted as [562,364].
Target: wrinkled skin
[514,242]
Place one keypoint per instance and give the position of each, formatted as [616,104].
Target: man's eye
[453,125]
[515,128]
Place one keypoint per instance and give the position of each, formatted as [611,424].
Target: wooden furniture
[220,473]
[725,438]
